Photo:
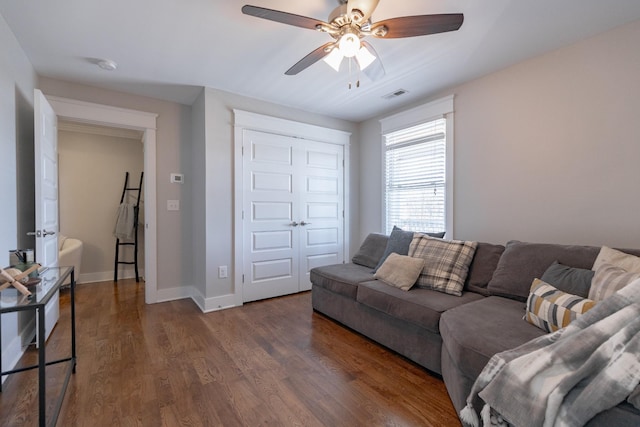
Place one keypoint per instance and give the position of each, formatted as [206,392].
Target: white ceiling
[170,49]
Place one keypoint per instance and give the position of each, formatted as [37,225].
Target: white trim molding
[105,115]
[439,108]
[417,115]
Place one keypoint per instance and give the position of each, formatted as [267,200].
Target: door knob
[302,223]
[36,233]
[47,233]
[294,224]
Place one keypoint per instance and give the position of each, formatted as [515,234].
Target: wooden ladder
[136,210]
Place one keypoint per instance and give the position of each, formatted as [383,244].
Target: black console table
[52,280]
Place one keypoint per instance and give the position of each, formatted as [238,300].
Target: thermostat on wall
[177,178]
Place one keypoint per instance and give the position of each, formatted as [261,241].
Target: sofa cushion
[474,332]
[522,262]
[446,263]
[572,280]
[371,250]
[342,279]
[400,271]
[484,263]
[550,309]
[618,258]
[609,279]
[422,307]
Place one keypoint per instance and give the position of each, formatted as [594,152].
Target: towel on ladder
[125,222]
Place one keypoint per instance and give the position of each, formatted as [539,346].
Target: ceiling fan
[349,24]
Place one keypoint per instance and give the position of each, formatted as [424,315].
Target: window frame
[440,108]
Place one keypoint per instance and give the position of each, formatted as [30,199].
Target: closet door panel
[270,262]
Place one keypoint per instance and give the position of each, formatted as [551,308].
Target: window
[417,168]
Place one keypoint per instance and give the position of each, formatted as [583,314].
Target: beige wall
[91,176]
[546,150]
[173,148]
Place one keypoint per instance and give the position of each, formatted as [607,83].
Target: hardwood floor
[273,362]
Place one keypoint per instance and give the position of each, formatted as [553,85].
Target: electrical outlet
[173,205]
[222,272]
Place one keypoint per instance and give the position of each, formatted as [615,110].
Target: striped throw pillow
[446,262]
[551,309]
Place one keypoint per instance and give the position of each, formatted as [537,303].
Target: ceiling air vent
[395,94]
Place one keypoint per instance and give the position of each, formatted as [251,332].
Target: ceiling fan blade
[282,17]
[375,70]
[420,25]
[365,6]
[310,59]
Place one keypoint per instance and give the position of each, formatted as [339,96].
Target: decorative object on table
[18,279]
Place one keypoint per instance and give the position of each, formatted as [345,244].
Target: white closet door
[321,207]
[270,237]
[292,212]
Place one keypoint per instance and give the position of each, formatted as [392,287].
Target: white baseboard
[163,295]
[104,276]
[208,305]
[172,294]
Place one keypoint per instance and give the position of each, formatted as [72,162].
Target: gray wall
[546,150]
[17,81]
[218,198]
[173,154]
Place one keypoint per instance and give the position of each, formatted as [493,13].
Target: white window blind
[415,166]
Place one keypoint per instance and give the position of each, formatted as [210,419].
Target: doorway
[73,111]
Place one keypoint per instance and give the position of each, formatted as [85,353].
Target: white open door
[46,191]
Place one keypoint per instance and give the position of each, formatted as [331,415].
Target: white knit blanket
[567,377]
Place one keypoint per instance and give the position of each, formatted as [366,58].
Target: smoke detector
[107,64]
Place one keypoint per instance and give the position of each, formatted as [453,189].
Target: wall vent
[395,94]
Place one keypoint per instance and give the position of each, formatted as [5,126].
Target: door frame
[105,115]
[245,120]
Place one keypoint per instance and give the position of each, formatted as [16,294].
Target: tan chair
[70,254]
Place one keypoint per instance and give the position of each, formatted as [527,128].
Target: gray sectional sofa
[453,336]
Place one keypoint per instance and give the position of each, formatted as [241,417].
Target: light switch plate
[173,205]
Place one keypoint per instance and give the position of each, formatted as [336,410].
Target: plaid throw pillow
[446,262]
[551,309]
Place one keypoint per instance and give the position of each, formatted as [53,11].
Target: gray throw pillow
[572,280]
[371,250]
[399,241]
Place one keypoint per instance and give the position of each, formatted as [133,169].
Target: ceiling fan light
[334,59]
[349,45]
[364,57]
